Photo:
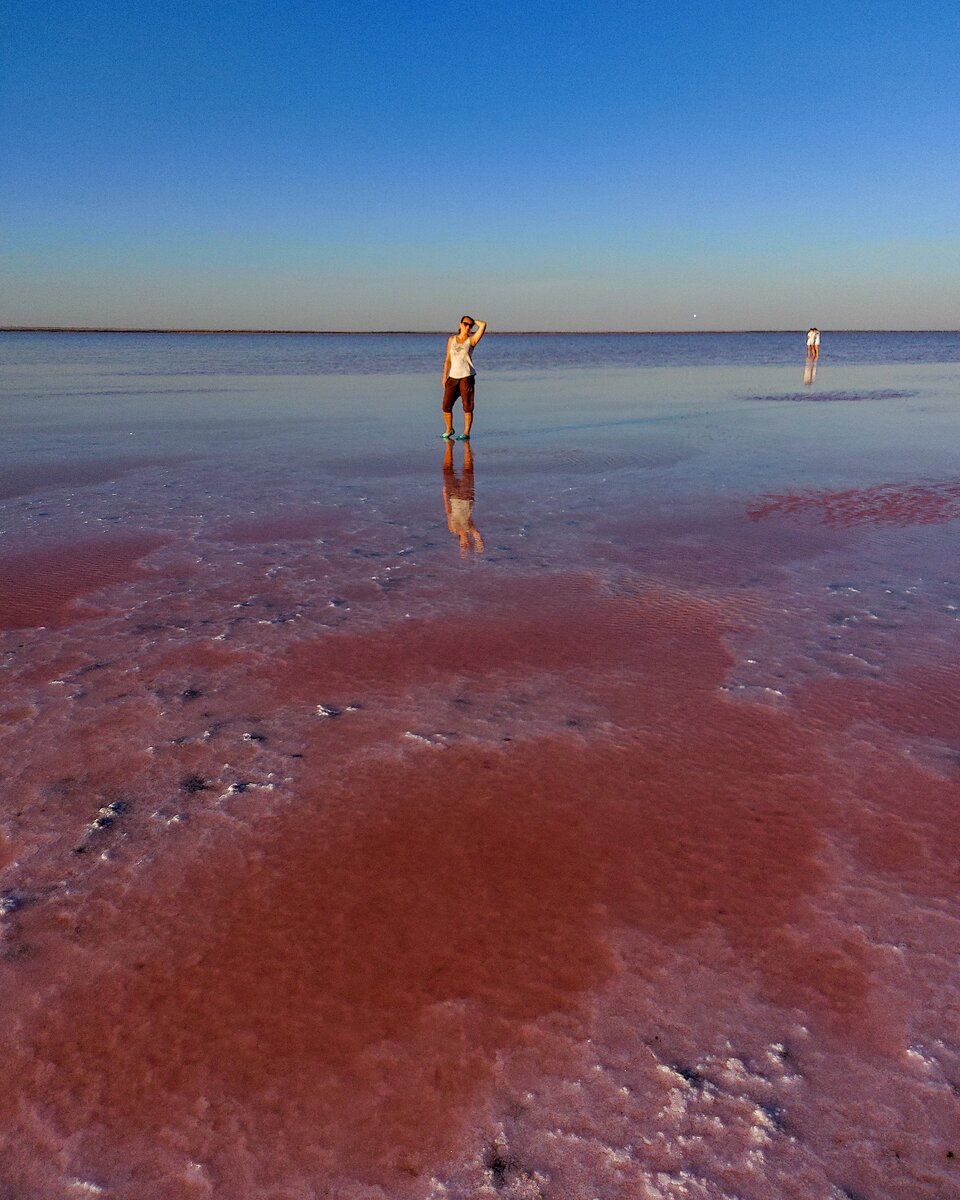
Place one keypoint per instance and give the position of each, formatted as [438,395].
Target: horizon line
[426,332]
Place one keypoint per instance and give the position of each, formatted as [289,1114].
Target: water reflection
[458,500]
[809,371]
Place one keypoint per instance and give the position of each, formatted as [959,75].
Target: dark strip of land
[427,332]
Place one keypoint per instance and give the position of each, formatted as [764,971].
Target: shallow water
[605,847]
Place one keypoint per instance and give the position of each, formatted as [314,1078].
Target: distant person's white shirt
[813,338]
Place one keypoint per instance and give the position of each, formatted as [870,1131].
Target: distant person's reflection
[458,499]
[810,371]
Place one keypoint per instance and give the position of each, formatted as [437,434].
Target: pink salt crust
[641,941]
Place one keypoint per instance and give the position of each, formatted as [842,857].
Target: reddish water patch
[40,587]
[200,659]
[365,972]
[892,504]
[714,546]
[12,714]
[920,846]
[25,480]
[924,702]
[563,624]
[347,977]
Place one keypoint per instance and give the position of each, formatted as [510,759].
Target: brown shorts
[463,388]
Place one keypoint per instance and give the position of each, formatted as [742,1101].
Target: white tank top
[461,364]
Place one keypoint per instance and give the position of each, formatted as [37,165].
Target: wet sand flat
[615,856]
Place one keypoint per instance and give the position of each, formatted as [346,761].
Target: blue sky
[577,166]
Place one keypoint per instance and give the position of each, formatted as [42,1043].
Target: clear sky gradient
[205,163]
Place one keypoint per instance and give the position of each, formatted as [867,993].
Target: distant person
[458,501]
[459,375]
[813,343]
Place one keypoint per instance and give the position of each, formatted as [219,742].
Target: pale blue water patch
[620,435]
[718,422]
[350,354]
[104,393]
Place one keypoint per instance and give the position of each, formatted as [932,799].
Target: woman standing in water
[459,375]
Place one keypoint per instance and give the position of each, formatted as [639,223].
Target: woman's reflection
[810,371]
[458,500]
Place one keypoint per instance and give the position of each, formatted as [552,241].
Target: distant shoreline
[431,332]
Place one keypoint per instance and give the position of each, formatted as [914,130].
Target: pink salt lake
[618,859]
